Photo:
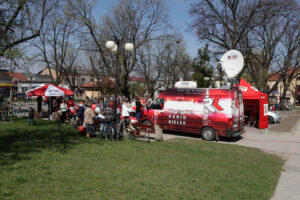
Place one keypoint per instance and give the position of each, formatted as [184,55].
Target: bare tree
[178,64]
[20,21]
[224,22]
[58,45]
[151,64]
[255,27]
[289,61]
[131,21]
[265,39]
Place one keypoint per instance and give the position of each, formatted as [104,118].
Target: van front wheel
[208,133]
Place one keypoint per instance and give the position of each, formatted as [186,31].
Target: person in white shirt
[63,110]
[125,110]
[133,102]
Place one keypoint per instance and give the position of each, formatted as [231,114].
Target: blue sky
[178,14]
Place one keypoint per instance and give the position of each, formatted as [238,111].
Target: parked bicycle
[106,129]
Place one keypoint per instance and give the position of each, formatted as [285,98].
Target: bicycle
[250,121]
[106,129]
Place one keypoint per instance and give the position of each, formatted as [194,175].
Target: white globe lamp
[115,49]
[110,45]
[129,47]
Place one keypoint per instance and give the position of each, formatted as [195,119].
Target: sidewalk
[286,145]
[286,124]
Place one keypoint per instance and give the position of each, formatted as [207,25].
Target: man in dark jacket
[138,108]
[80,112]
[39,106]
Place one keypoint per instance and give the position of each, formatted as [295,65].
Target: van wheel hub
[208,133]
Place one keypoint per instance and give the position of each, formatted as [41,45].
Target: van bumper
[229,133]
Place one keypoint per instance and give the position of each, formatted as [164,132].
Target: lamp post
[114,47]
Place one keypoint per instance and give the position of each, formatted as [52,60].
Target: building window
[82,81]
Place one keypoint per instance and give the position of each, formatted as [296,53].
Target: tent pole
[50,114]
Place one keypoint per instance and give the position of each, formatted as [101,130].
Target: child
[31,116]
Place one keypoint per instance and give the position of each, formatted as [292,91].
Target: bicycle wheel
[110,133]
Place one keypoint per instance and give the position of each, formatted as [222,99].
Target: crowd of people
[65,109]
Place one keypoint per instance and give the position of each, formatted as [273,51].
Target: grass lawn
[50,161]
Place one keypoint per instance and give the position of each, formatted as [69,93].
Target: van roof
[191,91]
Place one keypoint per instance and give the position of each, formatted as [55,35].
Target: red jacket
[70,103]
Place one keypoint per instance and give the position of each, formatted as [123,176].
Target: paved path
[286,125]
[276,140]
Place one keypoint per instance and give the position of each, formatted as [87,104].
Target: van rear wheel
[208,134]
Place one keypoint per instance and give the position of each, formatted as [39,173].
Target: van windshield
[158,104]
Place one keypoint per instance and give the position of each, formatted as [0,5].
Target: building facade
[292,94]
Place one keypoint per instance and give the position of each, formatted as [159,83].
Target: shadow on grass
[18,140]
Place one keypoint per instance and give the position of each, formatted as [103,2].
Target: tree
[265,39]
[202,68]
[289,61]
[20,21]
[224,22]
[162,63]
[131,21]
[151,64]
[58,44]
[178,64]
[255,27]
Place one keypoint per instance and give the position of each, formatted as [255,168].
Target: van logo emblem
[212,105]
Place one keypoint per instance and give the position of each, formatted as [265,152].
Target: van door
[241,111]
[237,111]
[235,108]
[157,105]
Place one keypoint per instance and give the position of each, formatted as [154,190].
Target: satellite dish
[232,63]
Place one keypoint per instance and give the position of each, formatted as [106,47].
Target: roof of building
[77,70]
[136,79]
[99,84]
[276,76]
[19,76]
[38,78]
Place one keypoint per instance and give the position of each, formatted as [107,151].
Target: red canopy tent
[49,90]
[255,103]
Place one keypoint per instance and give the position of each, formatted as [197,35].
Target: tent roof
[249,91]
[49,90]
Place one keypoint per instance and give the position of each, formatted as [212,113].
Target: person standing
[277,103]
[89,116]
[31,116]
[138,108]
[39,106]
[125,110]
[80,112]
[63,110]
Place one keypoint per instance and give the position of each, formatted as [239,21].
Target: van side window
[158,104]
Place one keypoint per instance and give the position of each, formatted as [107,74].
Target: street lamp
[114,47]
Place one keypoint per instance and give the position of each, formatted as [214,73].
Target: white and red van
[212,113]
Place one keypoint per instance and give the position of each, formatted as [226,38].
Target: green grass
[49,161]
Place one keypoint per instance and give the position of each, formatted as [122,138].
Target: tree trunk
[282,98]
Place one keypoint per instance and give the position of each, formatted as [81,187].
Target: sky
[178,15]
